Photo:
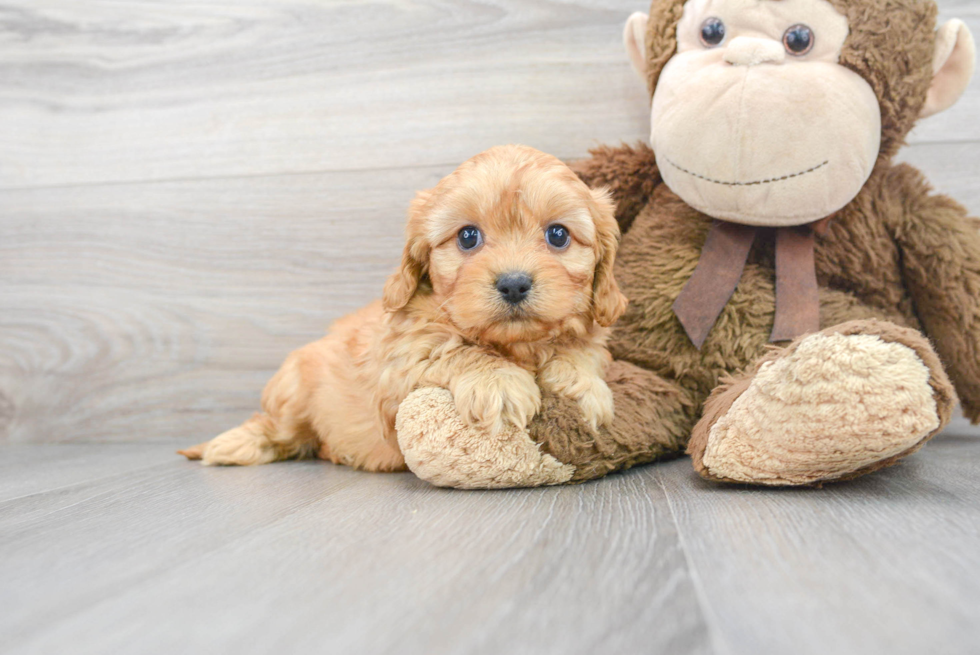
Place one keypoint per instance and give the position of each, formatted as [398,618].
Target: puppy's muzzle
[514,287]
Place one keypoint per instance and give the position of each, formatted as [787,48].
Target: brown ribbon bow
[719,270]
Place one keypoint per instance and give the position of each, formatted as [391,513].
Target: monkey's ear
[634,38]
[608,303]
[404,282]
[952,67]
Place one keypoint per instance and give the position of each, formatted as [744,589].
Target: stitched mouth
[755,183]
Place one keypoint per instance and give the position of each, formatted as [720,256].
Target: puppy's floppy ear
[608,303]
[403,283]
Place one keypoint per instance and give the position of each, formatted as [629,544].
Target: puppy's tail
[194,452]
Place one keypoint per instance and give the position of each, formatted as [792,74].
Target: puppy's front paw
[495,399]
[582,385]
[597,404]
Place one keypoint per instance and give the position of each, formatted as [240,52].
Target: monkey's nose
[749,51]
[514,287]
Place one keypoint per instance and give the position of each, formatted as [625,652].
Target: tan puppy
[505,284]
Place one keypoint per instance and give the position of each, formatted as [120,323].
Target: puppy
[505,285]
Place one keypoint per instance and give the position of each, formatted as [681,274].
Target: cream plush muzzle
[750,133]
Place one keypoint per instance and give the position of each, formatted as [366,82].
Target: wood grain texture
[889,563]
[190,189]
[36,468]
[310,557]
[155,311]
[123,91]
[136,90]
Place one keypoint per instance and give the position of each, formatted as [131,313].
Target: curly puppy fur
[443,322]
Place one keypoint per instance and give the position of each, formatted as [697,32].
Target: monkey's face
[755,121]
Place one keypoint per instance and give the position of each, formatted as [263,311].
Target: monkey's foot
[442,450]
[831,406]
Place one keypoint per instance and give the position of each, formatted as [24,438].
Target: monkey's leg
[833,405]
[653,419]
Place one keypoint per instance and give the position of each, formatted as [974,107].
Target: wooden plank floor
[125,549]
[190,189]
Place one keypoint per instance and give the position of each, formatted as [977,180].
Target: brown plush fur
[443,322]
[918,267]
[566,437]
[896,253]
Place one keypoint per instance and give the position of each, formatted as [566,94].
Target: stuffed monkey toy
[802,310]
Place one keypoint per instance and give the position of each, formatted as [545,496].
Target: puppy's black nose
[514,286]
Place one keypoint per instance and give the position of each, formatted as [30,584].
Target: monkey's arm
[940,248]
[653,420]
[629,172]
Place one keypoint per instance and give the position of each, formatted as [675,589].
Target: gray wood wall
[190,189]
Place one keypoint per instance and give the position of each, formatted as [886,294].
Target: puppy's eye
[798,40]
[469,238]
[557,236]
[712,32]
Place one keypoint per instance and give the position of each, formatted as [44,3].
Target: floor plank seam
[83,482]
[435,166]
[717,643]
[447,166]
[24,637]
[940,142]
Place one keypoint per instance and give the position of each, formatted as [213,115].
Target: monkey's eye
[798,40]
[557,236]
[712,32]
[469,237]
